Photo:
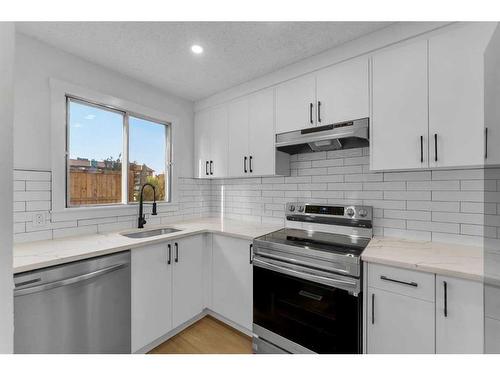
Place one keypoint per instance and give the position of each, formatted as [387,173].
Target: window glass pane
[147,159]
[95,145]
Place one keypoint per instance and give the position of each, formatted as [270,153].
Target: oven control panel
[328,210]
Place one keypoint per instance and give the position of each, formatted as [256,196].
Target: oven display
[325,210]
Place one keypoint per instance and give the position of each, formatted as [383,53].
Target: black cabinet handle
[206,168]
[245,164]
[445,287]
[319,111]
[250,251]
[373,308]
[211,170]
[250,163]
[311,113]
[385,278]
[421,148]
[169,261]
[176,252]
[486,143]
[435,147]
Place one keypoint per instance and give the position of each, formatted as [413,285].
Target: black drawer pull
[421,148]
[385,278]
[435,147]
[445,288]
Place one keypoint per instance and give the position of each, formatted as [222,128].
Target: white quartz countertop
[39,254]
[443,259]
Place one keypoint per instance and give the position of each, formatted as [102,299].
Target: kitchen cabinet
[151,288]
[210,142]
[456,95]
[334,94]
[401,309]
[187,279]
[232,280]
[416,312]
[459,316]
[251,137]
[342,92]
[399,122]
[296,104]
[399,324]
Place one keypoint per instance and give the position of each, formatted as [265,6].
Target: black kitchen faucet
[142,217]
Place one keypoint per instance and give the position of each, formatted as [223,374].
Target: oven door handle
[342,284]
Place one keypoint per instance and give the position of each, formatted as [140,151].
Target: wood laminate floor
[206,336]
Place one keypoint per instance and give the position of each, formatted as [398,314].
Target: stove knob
[301,208]
[363,212]
[292,208]
[350,212]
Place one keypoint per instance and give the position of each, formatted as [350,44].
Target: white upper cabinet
[491,99]
[261,135]
[296,104]
[218,142]
[202,143]
[342,92]
[238,137]
[399,126]
[456,95]
[459,316]
[210,141]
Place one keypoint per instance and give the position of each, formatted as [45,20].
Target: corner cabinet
[210,142]
[236,139]
[428,100]
[415,312]
[232,280]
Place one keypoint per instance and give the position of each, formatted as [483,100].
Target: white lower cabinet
[459,316]
[187,284]
[167,287]
[232,280]
[151,294]
[399,324]
[415,312]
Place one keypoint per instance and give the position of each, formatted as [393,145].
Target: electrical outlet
[39,219]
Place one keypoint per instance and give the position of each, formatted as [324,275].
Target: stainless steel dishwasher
[79,307]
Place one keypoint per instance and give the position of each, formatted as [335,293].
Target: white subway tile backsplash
[442,205]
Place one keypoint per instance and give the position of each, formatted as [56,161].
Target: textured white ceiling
[158,53]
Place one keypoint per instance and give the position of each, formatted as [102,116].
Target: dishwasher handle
[68,281]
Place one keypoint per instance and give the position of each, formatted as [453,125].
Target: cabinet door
[187,285]
[218,141]
[459,315]
[151,294]
[201,143]
[399,106]
[342,92]
[238,138]
[456,92]
[398,324]
[261,133]
[232,280]
[295,104]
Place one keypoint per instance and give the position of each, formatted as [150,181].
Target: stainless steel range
[307,281]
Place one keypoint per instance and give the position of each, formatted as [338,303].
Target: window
[112,153]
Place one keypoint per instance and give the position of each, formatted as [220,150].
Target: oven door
[312,309]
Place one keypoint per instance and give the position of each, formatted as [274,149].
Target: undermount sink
[150,233]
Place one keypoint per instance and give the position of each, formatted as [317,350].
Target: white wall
[36,62]
[6,97]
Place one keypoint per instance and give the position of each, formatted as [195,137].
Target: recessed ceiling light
[195,48]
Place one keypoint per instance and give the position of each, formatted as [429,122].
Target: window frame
[68,98]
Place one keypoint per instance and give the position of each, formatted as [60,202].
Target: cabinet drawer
[398,280]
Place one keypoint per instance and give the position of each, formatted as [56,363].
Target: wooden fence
[96,187]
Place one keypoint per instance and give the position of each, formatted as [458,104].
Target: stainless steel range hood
[350,134]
